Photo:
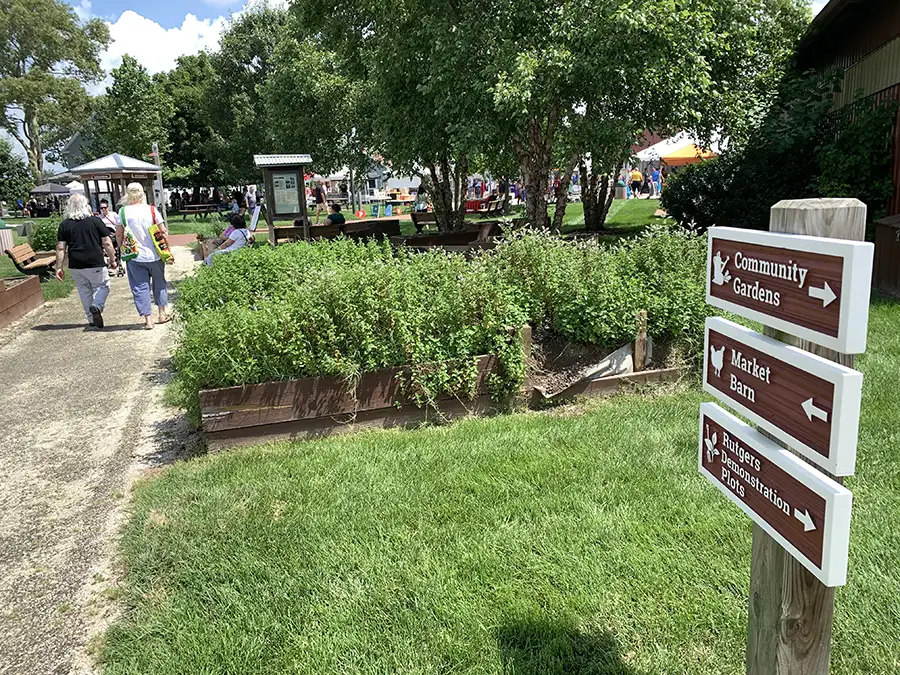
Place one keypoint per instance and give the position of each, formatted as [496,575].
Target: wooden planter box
[887,256]
[18,297]
[321,406]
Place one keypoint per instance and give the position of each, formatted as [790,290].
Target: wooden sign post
[805,397]
[791,612]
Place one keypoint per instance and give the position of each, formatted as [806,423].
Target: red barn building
[862,38]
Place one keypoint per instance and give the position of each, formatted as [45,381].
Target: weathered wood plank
[20,309]
[308,398]
[607,385]
[319,427]
[9,297]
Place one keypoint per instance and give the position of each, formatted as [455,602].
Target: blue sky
[167,13]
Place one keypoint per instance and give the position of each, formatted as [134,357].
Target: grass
[582,540]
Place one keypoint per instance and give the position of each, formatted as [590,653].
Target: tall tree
[558,81]
[132,115]
[241,66]
[46,56]
[15,178]
[189,161]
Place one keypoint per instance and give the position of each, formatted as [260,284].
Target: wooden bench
[202,210]
[28,262]
[353,229]
[423,219]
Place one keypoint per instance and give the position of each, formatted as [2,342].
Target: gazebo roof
[115,163]
[50,189]
[281,160]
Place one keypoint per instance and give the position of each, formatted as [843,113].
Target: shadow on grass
[543,647]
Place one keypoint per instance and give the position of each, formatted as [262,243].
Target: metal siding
[880,70]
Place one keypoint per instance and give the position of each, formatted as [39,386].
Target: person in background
[335,217]
[238,237]
[654,182]
[185,198]
[146,272]
[250,198]
[321,195]
[111,220]
[636,179]
[85,237]
[216,196]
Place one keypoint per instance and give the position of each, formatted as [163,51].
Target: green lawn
[576,541]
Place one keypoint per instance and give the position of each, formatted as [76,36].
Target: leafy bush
[590,293]
[340,308]
[43,238]
[804,148]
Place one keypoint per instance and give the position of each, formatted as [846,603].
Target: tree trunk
[535,155]
[462,181]
[35,152]
[562,193]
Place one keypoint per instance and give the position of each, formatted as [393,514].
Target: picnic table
[198,210]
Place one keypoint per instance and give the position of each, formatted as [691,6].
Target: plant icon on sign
[721,276]
[716,358]
[710,443]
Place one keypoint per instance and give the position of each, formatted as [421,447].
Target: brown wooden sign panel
[771,280]
[807,512]
[810,403]
[814,288]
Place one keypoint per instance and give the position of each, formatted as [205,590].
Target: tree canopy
[15,178]
[46,56]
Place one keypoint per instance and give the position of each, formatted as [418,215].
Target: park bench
[423,220]
[354,229]
[29,262]
[198,210]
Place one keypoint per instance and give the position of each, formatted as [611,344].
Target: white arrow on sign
[812,410]
[805,518]
[825,294]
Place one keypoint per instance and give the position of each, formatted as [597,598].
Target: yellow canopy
[689,154]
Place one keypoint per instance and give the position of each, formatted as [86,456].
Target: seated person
[237,238]
[335,217]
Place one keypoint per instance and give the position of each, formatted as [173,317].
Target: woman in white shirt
[146,272]
[237,237]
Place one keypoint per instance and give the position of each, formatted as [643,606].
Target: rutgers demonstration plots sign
[814,288]
[802,509]
[810,403]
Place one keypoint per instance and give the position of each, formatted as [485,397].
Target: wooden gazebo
[285,189]
[109,175]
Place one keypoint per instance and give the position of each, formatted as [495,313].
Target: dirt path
[80,414]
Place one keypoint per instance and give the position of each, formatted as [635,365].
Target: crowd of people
[140,237]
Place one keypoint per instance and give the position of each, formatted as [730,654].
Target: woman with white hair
[146,271]
[85,237]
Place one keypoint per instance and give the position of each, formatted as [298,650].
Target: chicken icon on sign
[717,358]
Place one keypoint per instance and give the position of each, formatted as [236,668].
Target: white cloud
[155,47]
[83,10]
[818,5]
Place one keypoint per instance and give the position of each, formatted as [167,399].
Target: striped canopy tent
[689,154]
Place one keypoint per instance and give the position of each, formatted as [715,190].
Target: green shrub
[340,308]
[804,148]
[590,293]
[43,238]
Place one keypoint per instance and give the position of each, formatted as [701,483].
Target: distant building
[73,153]
[862,38]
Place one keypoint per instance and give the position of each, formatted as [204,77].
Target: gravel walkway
[79,418]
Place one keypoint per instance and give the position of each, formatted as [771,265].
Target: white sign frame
[847,382]
[856,284]
[838,499]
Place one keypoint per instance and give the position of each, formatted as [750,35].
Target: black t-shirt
[320,195]
[336,218]
[83,238]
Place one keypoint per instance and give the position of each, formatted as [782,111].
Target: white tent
[75,187]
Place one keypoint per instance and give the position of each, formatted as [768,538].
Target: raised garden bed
[18,297]
[322,406]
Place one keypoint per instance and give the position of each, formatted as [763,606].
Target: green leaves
[134,114]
